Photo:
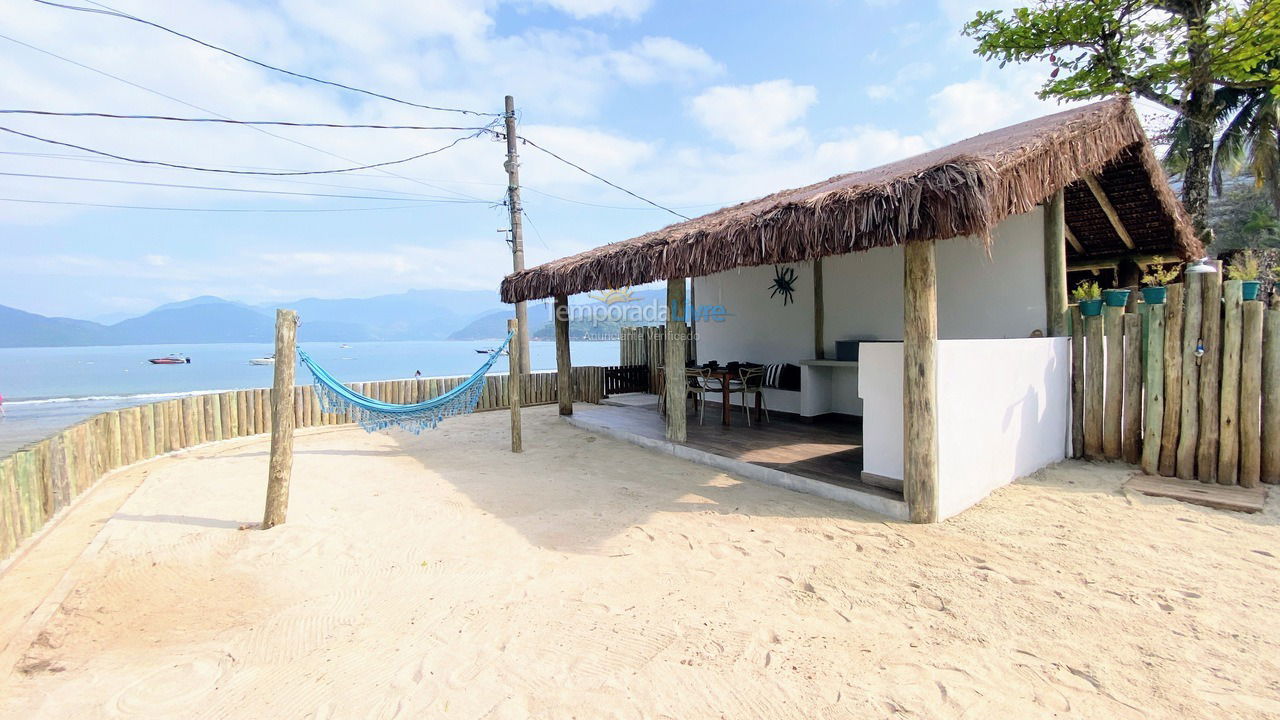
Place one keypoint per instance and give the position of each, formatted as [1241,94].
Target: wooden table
[724,376]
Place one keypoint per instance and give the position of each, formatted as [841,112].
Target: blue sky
[694,104]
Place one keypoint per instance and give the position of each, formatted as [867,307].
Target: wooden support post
[1113,408]
[1055,265]
[1172,379]
[1189,426]
[1251,395]
[1271,393]
[1131,428]
[564,362]
[1210,377]
[1153,425]
[1094,386]
[819,319]
[1229,395]
[281,464]
[674,361]
[920,382]
[1077,383]
[513,385]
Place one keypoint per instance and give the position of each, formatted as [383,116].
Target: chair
[698,381]
[752,383]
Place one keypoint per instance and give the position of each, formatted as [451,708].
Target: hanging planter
[1115,297]
[1249,289]
[1154,295]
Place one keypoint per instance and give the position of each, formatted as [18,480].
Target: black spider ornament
[784,284]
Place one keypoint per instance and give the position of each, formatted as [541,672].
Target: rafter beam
[1071,238]
[1108,209]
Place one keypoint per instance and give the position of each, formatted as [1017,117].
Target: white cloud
[656,58]
[756,117]
[879,92]
[626,9]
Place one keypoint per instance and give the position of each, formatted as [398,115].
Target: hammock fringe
[373,415]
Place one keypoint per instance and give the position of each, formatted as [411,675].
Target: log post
[281,464]
[1055,264]
[674,359]
[920,382]
[514,363]
[1251,395]
[819,313]
[1077,383]
[564,362]
[1131,432]
[1154,382]
[1113,407]
[1210,378]
[1172,379]
[1229,395]
[1189,425]
[1271,393]
[1094,386]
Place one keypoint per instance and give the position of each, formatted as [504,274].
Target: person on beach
[417,373]
[1,405]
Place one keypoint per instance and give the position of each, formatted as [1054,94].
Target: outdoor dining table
[724,376]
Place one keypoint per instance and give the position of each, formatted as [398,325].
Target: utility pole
[512,166]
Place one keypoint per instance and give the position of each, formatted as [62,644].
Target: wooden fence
[1188,389]
[41,479]
[646,345]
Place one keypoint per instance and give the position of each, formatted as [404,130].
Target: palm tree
[1249,141]
[1264,223]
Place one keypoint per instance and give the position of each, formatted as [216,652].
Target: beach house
[924,303]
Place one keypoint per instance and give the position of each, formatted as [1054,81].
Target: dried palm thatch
[961,189]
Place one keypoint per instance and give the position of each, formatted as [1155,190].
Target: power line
[572,164]
[255,128]
[229,121]
[237,190]
[213,210]
[238,172]
[112,12]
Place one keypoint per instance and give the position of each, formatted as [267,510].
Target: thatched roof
[961,189]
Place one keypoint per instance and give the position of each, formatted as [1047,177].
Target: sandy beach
[441,576]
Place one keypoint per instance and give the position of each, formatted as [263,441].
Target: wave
[103,398]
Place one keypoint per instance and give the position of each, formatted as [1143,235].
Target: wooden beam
[819,343]
[1077,383]
[1229,394]
[1172,379]
[1113,261]
[564,364]
[1251,395]
[1094,385]
[281,463]
[1055,265]
[676,343]
[1108,209]
[514,377]
[1210,377]
[1271,393]
[1071,238]
[1189,426]
[920,382]
[1131,429]
[1154,382]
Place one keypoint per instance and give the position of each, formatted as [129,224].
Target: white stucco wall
[1003,413]
[1000,296]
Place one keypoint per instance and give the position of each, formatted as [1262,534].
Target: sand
[440,576]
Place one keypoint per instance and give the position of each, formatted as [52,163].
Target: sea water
[47,389]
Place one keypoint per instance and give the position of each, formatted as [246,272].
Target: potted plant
[1088,297]
[1157,277]
[1244,266]
[1115,297]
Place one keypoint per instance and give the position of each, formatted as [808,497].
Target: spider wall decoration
[784,284]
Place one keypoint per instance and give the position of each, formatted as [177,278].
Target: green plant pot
[1249,289]
[1114,297]
[1154,295]
[1091,308]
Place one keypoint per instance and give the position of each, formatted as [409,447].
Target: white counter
[828,386]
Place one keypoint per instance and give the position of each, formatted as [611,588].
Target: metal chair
[698,381]
[752,383]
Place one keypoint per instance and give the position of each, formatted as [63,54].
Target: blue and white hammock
[374,414]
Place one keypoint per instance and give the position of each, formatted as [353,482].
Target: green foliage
[1243,217]
[1244,266]
[1086,290]
[1158,274]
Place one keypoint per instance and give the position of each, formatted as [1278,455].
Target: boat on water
[270,360]
[344,346]
[172,359]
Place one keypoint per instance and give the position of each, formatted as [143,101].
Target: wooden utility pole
[920,382]
[512,166]
[677,341]
[281,465]
[1055,264]
[513,387]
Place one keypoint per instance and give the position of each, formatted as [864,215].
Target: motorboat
[172,359]
[344,346]
[270,360]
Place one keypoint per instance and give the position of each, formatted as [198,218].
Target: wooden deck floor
[829,451]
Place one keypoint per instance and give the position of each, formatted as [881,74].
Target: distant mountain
[643,305]
[494,324]
[413,315]
[24,329]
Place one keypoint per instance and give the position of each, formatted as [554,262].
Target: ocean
[47,389]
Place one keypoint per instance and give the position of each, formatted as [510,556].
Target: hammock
[374,414]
